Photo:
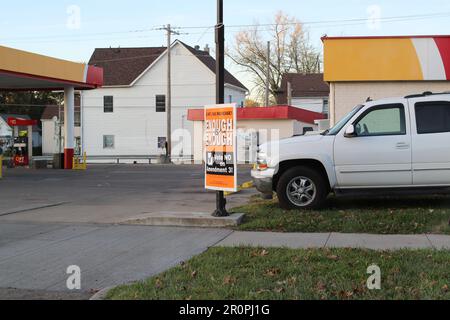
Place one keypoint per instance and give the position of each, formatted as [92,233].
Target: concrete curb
[101,295]
[180,219]
[336,240]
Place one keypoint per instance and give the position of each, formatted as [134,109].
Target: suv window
[385,120]
[433,117]
[335,130]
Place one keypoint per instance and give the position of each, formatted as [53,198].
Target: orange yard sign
[220,148]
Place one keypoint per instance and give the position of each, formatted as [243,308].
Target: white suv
[390,145]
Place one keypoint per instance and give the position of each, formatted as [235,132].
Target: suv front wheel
[301,188]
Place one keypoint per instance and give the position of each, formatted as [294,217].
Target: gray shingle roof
[121,66]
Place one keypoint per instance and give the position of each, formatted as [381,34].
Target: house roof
[122,66]
[53,111]
[303,85]
[50,112]
[266,113]
[210,62]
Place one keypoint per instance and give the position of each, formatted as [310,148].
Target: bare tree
[291,51]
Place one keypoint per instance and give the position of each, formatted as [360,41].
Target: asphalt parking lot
[107,193]
[34,257]
[52,219]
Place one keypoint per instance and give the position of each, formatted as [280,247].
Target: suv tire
[302,188]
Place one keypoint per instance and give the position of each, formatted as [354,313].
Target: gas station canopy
[26,71]
[23,71]
[388,58]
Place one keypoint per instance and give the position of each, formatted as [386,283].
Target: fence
[150,159]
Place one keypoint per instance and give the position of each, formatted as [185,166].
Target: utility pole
[289,93]
[221,210]
[169,92]
[268,75]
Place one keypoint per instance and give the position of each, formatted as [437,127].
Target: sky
[73,29]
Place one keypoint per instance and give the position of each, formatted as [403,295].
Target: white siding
[233,95]
[5,129]
[268,130]
[135,123]
[311,104]
[346,95]
[50,137]
[299,126]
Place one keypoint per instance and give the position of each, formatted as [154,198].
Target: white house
[307,91]
[127,116]
[256,126]
[53,133]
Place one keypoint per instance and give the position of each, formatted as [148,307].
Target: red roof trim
[94,74]
[384,37]
[16,122]
[266,113]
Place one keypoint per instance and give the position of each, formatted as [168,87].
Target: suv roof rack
[425,94]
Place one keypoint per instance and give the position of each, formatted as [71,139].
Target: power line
[81,35]
[430,15]
[327,23]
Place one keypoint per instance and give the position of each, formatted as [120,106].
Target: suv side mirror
[350,132]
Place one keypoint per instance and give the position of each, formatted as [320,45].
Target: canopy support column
[69,124]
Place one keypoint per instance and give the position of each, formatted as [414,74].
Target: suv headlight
[262,163]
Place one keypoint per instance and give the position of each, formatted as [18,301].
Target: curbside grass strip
[245,273]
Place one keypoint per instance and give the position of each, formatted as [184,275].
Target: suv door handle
[402,146]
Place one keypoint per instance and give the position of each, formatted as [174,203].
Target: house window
[160,103]
[433,117]
[230,98]
[108,104]
[77,120]
[162,142]
[325,106]
[108,142]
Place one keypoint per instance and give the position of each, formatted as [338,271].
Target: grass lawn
[407,215]
[249,273]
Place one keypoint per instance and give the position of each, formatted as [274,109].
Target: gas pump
[23,142]
[20,152]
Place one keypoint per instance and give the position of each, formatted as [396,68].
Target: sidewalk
[336,240]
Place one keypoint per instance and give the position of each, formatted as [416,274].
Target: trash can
[58,161]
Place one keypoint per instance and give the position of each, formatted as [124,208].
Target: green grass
[407,215]
[249,273]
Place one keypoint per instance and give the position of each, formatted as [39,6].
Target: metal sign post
[220,91]
[221,152]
